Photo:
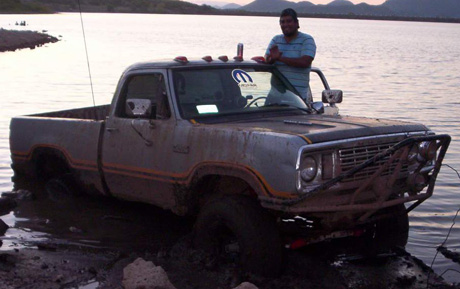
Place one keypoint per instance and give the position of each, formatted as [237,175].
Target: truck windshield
[222,91]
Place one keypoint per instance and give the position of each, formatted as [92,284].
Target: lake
[403,70]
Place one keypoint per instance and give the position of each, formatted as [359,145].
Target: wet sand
[11,40]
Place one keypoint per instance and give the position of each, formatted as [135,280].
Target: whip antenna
[86,50]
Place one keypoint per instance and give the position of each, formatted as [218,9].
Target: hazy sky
[244,2]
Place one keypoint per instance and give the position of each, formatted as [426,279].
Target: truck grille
[351,157]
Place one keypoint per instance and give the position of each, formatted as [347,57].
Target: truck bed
[70,135]
[90,113]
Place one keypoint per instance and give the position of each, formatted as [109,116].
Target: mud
[11,40]
[86,242]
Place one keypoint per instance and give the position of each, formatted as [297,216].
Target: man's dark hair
[290,12]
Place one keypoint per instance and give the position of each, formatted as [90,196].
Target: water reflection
[90,221]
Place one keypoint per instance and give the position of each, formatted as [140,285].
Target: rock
[246,285]
[6,205]
[19,195]
[454,256]
[145,275]
[405,281]
[3,227]
[75,230]
[10,40]
[47,247]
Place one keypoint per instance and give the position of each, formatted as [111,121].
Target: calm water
[402,70]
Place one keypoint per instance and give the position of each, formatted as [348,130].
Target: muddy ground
[85,242]
[11,40]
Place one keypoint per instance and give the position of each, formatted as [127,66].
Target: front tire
[236,228]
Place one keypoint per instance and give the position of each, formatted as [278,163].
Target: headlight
[309,169]
[427,151]
[422,152]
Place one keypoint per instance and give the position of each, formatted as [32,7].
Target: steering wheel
[254,100]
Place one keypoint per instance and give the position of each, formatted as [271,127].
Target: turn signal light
[223,58]
[207,58]
[181,59]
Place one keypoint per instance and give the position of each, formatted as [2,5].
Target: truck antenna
[86,50]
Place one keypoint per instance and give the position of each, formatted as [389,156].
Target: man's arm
[302,62]
[276,55]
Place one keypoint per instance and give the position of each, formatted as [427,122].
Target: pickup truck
[231,143]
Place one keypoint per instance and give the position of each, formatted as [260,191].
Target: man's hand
[277,55]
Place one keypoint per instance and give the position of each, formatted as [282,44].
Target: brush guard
[395,154]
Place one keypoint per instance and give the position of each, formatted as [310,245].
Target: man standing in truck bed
[293,52]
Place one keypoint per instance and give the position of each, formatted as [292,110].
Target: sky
[244,2]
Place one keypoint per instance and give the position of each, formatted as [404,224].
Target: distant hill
[231,6]
[407,10]
[126,6]
[16,6]
[412,8]
[268,5]
[425,8]
[340,3]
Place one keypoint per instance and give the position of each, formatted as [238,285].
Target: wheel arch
[49,162]
[209,181]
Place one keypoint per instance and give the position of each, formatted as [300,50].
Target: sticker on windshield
[243,78]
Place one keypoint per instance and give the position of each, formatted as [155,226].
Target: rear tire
[61,189]
[235,228]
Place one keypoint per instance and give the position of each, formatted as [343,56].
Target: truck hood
[320,128]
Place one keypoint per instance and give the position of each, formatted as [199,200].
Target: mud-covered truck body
[232,143]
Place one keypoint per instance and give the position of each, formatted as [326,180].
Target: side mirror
[332,96]
[138,108]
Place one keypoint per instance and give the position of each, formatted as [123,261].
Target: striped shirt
[304,44]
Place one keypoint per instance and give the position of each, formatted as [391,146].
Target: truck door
[137,141]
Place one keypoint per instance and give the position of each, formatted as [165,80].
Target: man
[293,52]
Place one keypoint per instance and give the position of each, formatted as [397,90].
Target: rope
[445,240]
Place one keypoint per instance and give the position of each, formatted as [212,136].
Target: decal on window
[243,79]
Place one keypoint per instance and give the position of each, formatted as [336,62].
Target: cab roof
[182,61]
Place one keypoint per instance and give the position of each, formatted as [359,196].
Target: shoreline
[12,40]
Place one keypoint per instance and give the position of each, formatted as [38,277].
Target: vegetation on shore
[16,6]
[171,7]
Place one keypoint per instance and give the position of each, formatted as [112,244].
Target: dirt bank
[54,265]
[10,40]
[86,242]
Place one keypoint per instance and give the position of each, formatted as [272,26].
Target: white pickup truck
[231,143]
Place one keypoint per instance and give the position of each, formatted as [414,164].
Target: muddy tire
[237,229]
[391,232]
[61,189]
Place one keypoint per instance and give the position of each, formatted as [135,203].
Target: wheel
[61,189]
[236,229]
[255,101]
[391,232]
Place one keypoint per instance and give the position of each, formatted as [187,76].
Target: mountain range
[403,8]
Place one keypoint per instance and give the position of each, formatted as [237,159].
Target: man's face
[289,26]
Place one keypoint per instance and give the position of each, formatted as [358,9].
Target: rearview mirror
[332,96]
[138,108]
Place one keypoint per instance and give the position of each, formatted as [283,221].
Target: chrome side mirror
[332,96]
[141,108]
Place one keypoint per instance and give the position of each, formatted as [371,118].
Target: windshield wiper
[305,109]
